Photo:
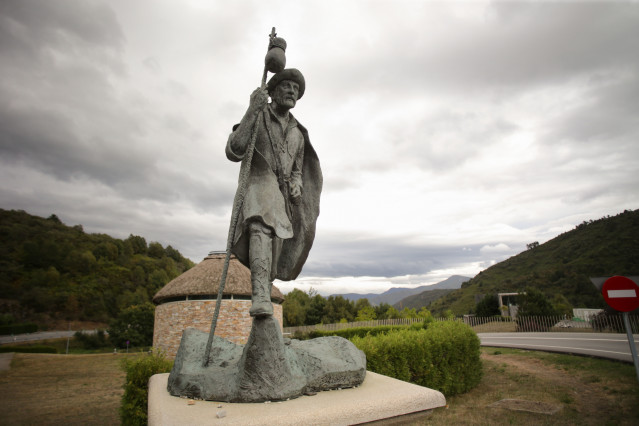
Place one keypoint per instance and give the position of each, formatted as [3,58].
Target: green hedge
[18,329]
[444,356]
[136,390]
[35,349]
[349,333]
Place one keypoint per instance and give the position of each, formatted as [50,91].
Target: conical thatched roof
[204,280]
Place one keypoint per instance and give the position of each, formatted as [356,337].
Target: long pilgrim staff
[274,62]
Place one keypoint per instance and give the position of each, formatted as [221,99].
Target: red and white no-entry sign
[621,293]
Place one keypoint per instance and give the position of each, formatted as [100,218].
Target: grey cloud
[153,65]
[336,183]
[36,30]
[45,139]
[608,111]
[386,257]
[521,46]
[447,139]
[536,44]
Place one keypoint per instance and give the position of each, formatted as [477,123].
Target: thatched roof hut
[203,281]
[190,301]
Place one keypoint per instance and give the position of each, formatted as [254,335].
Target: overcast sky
[450,134]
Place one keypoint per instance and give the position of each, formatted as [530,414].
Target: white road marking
[564,347]
[559,338]
[613,294]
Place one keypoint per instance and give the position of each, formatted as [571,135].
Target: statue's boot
[260,260]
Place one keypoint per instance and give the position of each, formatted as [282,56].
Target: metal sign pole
[631,342]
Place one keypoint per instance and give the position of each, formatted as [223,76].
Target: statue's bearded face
[286,93]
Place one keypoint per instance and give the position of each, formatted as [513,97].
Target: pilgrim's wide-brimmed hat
[288,74]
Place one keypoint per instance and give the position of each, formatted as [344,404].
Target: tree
[361,304]
[534,303]
[138,244]
[155,250]
[173,253]
[72,307]
[381,310]
[425,314]
[106,250]
[54,218]
[338,308]
[315,310]
[488,306]
[158,279]
[408,313]
[294,308]
[138,277]
[392,313]
[135,325]
[367,313]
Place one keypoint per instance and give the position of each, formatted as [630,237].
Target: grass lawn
[49,389]
[86,389]
[557,389]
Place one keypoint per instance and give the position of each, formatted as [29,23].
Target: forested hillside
[560,267]
[423,299]
[50,271]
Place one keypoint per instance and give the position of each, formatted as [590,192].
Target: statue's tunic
[267,196]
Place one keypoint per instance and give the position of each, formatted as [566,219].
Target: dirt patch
[529,406]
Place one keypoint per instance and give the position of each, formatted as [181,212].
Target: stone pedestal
[377,398]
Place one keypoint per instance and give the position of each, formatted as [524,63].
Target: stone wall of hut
[234,322]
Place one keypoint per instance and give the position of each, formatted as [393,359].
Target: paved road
[40,335]
[602,345]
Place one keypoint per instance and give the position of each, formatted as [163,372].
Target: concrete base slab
[379,397]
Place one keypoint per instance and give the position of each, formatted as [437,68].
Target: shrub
[35,349]
[136,390]
[95,340]
[534,303]
[488,306]
[134,325]
[18,328]
[445,356]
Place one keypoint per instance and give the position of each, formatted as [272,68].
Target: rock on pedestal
[267,368]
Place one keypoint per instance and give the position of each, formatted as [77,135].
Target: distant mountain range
[423,299]
[397,294]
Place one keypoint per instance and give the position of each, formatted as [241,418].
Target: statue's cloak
[265,202]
